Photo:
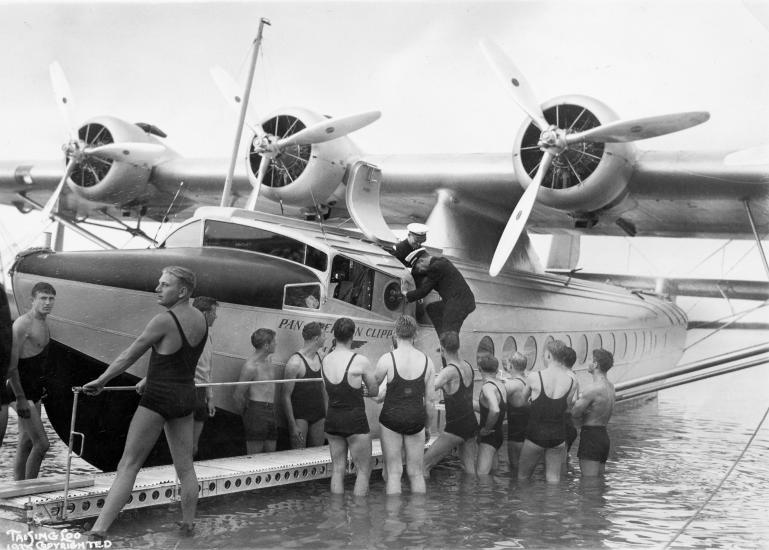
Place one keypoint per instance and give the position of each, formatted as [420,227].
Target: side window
[354,282]
[306,296]
[186,236]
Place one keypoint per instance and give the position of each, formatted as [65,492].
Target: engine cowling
[585,179]
[301,175]
[100,180]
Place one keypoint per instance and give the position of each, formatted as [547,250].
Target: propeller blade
[132,152]
[51,203]
[748,157]
[332,128]
[251,204]
[640,128]
[63,96]
[231,92]
[515,81]
[518,219]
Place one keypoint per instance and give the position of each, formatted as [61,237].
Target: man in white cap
[417,234]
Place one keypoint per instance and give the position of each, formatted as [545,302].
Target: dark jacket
[6,334]
[446,280]
[402,249]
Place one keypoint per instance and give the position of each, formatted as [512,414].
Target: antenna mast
[243,107]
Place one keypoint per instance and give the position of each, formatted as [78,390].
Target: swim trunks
[346,414]
[517,420]
[404,405]
[170,389]
[547,422]
[495,438]
[200,414]
[307,398]
[571,431]
[32,373]
[6,394]
[460,416]
[259,421]
[593,443]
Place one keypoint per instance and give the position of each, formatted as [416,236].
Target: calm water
[668,456]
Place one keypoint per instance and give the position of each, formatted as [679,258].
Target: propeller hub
[553,140]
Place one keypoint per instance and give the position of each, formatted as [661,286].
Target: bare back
[596,403]
[518,391]
[261,370]
[193,324]
[335,364]
[558,381]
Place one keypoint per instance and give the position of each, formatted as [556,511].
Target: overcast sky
[417,62]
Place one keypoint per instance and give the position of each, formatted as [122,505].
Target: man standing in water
[204,397]
[595,406]
[26,375]
[518,392]
[257,401]
[6,339]
[177,338]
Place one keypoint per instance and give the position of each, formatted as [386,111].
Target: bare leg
[3,422]
[142,435]
[31,450]
[486,454]
[514,454]
[197,430]
[591,468]
[469,454]
[360,449]
[439,449]
[316,434]
[415,454]
[269,445]
[179,436]
[530,457]
[554,460]
[392,443]
[338,450]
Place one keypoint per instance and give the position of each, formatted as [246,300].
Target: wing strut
[755,234]
[243,107]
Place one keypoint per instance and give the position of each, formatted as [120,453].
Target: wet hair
[558,350]
[343,329]
[518,361]
[405,327]
[489,364]
[311,330]
[571,357]
[186,277]
[450,341]
[604,359]
[42,288]
[204,303]
[261,337]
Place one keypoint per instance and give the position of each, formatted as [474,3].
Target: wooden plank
[25,487]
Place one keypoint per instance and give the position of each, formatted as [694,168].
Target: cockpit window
[354,282]
[242,237]
[186,236]
[305,296]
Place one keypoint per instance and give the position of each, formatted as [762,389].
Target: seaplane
[278,250]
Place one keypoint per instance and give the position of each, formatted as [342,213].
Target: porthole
[643,344]
[633,345]
[566,339]
[611,343]
[485,349]
[392,296]
[544,347]
[581,348]
[597,342]
[622,346]
[530,351]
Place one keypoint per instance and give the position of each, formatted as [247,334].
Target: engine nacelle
[106,181]
[586,178]
[301,175]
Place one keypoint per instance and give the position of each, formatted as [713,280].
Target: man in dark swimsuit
[594,408]
[177,338]
[457,300]
[456,380]
[304,404]
[493,404]
[6,339]
[26,376]
[571,429]
[408,407]
[552,393]
[518,393]
[344,375]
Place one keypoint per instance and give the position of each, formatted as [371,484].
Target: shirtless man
[456,381]
[177,338]
[6,338]
[305,403]
[594,407]
[518,393]
[204,396]
[552,392]
[26,375]
[257,401]
[493,405]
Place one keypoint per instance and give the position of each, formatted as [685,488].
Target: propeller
[54,198]
[138,153]
[554,141]
[332,128]
[63,95]
[229,89]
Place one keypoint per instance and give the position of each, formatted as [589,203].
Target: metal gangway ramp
[156,486]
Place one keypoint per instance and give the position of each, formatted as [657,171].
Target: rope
[720,484]
[214,384]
